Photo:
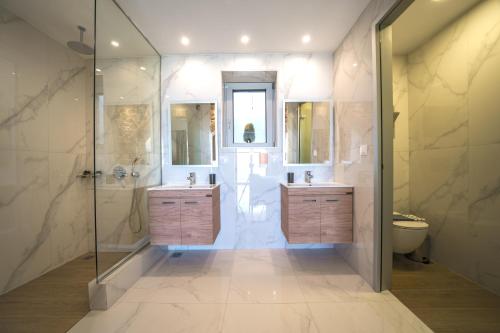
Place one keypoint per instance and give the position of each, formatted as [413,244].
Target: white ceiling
[423,19]
[59,20]
[215,26]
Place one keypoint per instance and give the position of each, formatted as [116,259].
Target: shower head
[80,46]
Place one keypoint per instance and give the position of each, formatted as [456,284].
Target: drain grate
[176,254]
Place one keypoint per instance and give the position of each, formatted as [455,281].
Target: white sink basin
[305,185]
[182,187]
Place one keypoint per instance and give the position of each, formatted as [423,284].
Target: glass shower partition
[126,135]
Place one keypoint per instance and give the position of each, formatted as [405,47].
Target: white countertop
[316,185]
[176,187]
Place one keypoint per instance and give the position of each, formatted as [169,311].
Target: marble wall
[454,116]
[355,118]
[401,141]
[127,128]
[45,94]
[249,178]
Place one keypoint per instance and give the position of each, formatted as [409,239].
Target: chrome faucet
[308,176]
[192,178]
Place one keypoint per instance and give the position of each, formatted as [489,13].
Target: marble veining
[355,115]
[127,130]
[253,291]
[43,205]
[250,196]
[454,142]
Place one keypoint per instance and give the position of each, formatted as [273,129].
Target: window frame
[229,89]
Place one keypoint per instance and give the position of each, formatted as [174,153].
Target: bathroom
[446,161]
[215,166]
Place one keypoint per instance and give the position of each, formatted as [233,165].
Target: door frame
[384,132]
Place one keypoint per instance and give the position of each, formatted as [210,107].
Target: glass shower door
[126,135]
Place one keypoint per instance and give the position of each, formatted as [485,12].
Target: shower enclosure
[126,135]
[79,136]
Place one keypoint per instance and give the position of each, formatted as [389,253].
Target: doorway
[440,161]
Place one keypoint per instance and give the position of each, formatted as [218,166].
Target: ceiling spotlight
[114,43]
[355,64]
[121,97]
[306,39]
[98,70]
[245,39]
[185,41]
[142,68]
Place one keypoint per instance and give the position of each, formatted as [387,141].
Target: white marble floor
[253,291]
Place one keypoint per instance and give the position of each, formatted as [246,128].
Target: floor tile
[173,289]
[265,289]
[253,291]
[136,317]
[275,318]
[361,317]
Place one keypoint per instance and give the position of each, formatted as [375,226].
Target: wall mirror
[308,132]
[193,128]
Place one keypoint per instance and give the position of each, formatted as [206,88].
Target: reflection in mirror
[193,133]
[307,132]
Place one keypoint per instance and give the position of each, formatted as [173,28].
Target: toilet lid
[411,224]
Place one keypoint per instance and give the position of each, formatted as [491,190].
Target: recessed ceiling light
[306,39]
[355,64]
[245,39]
[98,70]
[115,43]
[185,41]
[142,68]
[121,97]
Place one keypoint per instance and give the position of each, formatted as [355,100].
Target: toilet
[408,233]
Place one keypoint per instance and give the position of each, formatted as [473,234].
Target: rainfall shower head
[80,46]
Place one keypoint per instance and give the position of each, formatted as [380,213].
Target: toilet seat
[412,225]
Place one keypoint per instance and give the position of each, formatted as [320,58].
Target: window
[249,114]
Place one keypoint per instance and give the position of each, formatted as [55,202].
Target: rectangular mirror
[193,133]
[308,132]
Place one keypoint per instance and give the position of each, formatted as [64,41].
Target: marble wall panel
[250,196]
[127,130]
[44,88]
[401,181]
[353,93]
[454,157]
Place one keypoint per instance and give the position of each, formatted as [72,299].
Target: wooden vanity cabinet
[184,216]
[317,215]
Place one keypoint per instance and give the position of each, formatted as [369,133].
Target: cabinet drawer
[336,219]
[165,221]
[197,224]
[165,233]
[304,219]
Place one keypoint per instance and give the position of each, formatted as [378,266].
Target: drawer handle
[309,200]
[332,200]
[190,202]
[168,202]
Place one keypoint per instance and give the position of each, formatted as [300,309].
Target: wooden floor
[55,301]
[445,301]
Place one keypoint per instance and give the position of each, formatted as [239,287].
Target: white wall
[250,190]
[45,101]
[355,120]
[454,118]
